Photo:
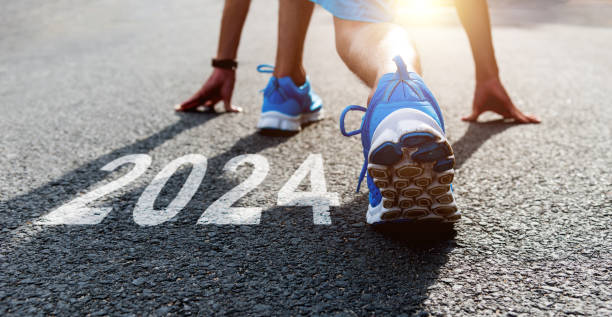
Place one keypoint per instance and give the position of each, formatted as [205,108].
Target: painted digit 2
[221,211]
[77,212]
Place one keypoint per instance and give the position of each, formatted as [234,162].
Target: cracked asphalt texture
[85,82]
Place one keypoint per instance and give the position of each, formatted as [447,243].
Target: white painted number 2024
[76,212]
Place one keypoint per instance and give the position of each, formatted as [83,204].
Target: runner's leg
[288,99]
[408,162]
[368,48]
[293,20]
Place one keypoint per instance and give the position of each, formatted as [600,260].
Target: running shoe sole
[411,163]
[279,121]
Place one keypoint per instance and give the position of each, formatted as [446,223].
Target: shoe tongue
[402,70]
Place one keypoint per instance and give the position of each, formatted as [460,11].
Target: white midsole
[401,122]
[281,121]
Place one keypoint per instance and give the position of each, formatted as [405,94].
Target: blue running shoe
[408,161]
[285,106]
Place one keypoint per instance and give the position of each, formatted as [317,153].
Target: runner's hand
[218,87]
[490,95]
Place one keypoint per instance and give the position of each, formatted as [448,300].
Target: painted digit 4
[77,212]
[221,211]
[318,197]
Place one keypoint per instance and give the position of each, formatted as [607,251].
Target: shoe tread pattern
[416,184]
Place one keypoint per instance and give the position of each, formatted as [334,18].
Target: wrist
[486,76]
[486,73]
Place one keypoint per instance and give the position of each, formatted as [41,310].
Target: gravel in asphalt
[84,83]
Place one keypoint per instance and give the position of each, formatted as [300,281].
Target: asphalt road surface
[85,83]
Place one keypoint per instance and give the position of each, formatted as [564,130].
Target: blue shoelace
[364,127]
[265,68]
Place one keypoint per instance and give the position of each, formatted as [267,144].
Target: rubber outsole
[414,172]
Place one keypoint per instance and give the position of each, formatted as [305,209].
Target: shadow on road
[286,263]
[475,136]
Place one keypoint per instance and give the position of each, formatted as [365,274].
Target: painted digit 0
[146,215]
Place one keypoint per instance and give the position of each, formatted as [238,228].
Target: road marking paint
[144,212]
[221,211]
[318,197]
[76,212]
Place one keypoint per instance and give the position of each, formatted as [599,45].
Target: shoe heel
[411,163]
